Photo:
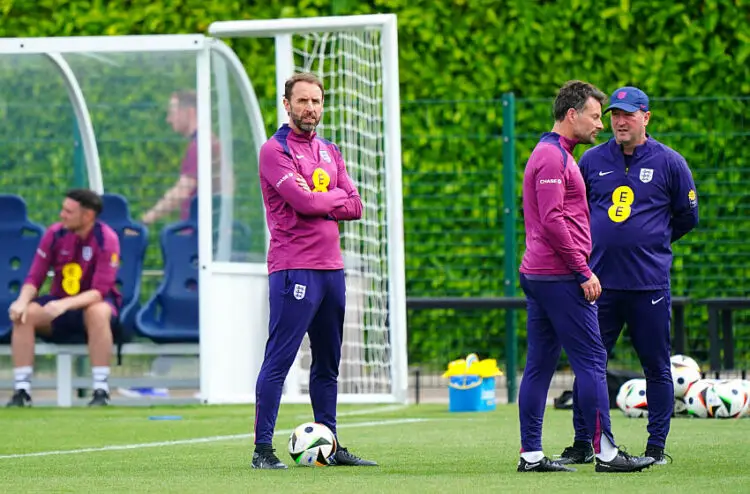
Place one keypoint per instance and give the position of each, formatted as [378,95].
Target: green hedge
[461,56]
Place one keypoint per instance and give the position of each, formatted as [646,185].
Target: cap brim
[622,106]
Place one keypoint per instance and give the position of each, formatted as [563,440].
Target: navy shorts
[69,328]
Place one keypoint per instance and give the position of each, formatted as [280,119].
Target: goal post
[356,57]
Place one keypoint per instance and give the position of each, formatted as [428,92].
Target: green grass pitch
[420,448]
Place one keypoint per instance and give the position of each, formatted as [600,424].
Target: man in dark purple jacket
[83,301]
[560,288]
[642,198]
[306,191]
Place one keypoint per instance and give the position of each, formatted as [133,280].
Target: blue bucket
[471,394]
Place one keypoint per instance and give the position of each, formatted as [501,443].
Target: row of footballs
[693,395]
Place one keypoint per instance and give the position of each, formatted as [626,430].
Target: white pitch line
[365,411]
[197,440]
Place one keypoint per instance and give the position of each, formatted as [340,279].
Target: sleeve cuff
[583,277]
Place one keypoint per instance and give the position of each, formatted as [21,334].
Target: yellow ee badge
[622,199]
[71,278]
[321,180]
[692,198]
[114,260]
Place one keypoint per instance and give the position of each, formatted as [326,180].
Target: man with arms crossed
[83,302]
[307,191]
[642,198]
[561,289]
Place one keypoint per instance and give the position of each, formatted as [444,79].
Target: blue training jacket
[637,211]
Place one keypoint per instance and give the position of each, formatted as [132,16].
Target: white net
[349,64]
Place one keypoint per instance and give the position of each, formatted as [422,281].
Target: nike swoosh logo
[601,174]
[300,156]
[654,302]
[531,466]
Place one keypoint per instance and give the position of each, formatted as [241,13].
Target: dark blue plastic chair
[133,242]
[19,239]
[171,315]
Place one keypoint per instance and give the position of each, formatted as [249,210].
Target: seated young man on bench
[83,302]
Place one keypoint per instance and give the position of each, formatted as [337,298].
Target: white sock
[22,378]
[532,456]
[608,450]
[101,374]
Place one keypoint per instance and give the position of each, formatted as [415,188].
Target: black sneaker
[658,454]
[266,460]
[578,454]
[623,463]
[543,465]
[100,398]
[343,458]
[20,399]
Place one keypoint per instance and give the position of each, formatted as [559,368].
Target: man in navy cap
[642,198]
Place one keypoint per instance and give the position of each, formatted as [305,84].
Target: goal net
[355,58]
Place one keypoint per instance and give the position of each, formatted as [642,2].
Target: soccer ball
[680,407]
[634,402]
[695,398]
[686,361]
[729,400]
[746,385]
[620,400]
[683,375]
[312,444]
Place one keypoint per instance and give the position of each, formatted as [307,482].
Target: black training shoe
[20,399]
[576,455]
[100,398]
[343,458]
[623,463]
[267,460]
[658,454]
[543,465]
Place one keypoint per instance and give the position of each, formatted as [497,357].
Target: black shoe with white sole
[543,465]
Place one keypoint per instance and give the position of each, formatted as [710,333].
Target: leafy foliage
[457,58]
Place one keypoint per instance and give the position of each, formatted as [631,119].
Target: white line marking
[197,440]
[365,411]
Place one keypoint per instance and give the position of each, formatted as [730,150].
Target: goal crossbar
[262,28]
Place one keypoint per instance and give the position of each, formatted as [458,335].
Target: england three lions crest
[325,156]
[299,291]
[646,175]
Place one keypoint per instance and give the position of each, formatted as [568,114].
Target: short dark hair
[186,98]
[301,77]
[87,199]
[575,94]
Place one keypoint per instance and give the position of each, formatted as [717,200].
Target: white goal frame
[282,30]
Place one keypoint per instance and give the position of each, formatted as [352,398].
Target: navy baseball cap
[629,99]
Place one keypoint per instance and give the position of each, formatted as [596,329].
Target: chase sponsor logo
[692,199]
[284,179]
[545,181]
[622,199]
